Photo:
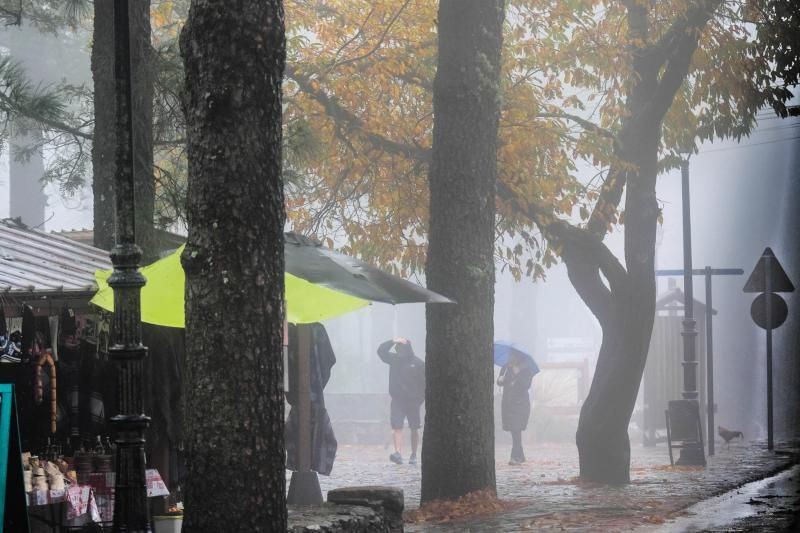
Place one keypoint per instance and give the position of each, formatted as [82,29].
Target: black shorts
[400,410]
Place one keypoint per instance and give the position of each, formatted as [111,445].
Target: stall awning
[35,262]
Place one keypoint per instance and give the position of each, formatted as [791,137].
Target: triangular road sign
[757,282]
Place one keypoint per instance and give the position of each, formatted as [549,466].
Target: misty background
[744,197]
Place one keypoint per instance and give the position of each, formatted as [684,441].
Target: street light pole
[690,454]
[130,487]
[689,332]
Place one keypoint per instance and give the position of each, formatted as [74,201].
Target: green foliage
[777,37]
[19,97]
[44,111]
[49,16]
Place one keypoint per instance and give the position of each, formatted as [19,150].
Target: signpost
[769,311]
[708,273]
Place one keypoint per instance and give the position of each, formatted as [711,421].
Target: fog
[744,198]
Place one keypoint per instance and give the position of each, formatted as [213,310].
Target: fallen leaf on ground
[678,468]
[474,503]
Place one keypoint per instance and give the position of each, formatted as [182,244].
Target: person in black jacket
[515,378]
[407,389]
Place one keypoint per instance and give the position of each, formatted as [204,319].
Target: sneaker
[396,458]
[413,459]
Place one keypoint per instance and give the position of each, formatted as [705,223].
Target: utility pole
[708,274]
[691,453]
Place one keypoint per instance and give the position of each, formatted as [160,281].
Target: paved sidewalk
[547,495]
[770,505]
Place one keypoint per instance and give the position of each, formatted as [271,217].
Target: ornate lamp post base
[130,502]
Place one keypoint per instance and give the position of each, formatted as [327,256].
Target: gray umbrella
[308,259]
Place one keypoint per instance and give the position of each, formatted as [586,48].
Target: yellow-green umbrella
[162,296]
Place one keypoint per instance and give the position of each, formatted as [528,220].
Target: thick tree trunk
[458,445]
[142,72]
[626,308]
[104,137]
[602,437]
[626,314]
[234,56]
[104,141]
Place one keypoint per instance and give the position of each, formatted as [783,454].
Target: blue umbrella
[503,351]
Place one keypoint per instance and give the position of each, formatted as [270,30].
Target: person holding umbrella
[515,378]
[407,389]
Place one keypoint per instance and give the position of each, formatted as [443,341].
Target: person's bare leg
[397,435]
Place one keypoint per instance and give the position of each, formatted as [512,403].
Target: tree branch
[604,210]
[57,125]
[587,125]
[567,236]
[678,46]
[377,45]
[348,119]
[555,229]
[584,274]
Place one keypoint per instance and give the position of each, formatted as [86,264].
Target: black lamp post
[130,488]
[690,454]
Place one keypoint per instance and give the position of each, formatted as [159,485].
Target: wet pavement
[546,495]
[770,505]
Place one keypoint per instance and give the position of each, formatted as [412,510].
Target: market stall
[54,343]
[54,350]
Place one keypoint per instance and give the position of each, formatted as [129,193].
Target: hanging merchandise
[11,348]
[28,328]
[68,342]
[103,332]
[45,359]
[323,440]
[54,322]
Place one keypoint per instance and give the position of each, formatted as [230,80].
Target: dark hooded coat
[516,402]
[406,372]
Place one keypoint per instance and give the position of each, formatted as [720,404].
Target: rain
[350,265]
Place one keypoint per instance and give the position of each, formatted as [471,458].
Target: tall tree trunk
[625,313]
[458,447]
[234,57]
[626,307]
[142,72]
[104,137]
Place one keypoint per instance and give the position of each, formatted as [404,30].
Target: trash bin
[167,524]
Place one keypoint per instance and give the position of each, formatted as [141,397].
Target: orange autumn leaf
[472,504]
